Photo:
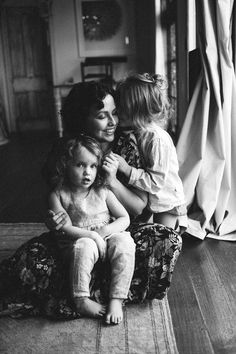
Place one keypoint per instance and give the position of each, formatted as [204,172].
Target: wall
[65,49]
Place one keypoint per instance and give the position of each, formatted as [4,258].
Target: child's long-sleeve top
[160,177]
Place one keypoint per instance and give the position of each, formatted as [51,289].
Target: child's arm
[152,178]
[74,232]
[120,214]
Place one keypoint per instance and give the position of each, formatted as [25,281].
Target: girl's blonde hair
[60,176]
[143,98]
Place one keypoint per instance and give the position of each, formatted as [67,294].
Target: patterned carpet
[146,329]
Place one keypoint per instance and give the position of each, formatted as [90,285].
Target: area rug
[146,329]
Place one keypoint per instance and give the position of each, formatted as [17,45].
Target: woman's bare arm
[132,199]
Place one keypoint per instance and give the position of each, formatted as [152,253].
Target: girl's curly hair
[60,177]
[143,98]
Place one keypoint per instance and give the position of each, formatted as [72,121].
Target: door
[28,68]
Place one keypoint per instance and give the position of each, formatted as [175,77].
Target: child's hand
[55,221]
[110,165]
[123,167]
[101,244]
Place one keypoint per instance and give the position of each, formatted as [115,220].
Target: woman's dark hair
[60,176]
[83,97]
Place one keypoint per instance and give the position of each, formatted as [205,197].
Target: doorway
[26,68]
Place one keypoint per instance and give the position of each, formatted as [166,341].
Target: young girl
[143,108]
[90,233]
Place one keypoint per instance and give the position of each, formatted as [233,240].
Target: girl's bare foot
[115,312]
[89,308]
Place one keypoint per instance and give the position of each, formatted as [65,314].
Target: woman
[90,108]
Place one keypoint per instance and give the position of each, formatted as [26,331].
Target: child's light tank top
[89,212]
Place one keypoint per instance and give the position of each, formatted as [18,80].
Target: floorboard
[203,292]
[190,331]
[202,297]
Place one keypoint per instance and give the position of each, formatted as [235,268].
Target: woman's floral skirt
[34,281]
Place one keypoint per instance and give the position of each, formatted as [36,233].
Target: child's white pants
[121,255]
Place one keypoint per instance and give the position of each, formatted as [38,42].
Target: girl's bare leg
[166,219]
[115,312]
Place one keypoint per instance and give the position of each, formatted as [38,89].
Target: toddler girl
[94,228]
[143,108]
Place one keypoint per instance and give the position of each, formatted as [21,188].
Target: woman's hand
[101,245]
[55,221]
[110,165]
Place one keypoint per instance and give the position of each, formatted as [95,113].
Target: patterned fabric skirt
[34,281]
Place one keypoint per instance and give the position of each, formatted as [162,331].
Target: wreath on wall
[101,19]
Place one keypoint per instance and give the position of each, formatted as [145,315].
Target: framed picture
[105,27]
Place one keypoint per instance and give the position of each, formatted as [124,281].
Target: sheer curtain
[207,143]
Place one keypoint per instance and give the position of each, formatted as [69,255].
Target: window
[174,21]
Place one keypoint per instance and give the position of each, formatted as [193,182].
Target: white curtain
[161,48]
[207,143]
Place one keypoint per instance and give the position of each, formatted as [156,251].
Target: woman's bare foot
[115,312]
[89,308]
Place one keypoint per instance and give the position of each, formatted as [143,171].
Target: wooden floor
[202,297]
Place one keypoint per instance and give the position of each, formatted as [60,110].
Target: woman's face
[102,124]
